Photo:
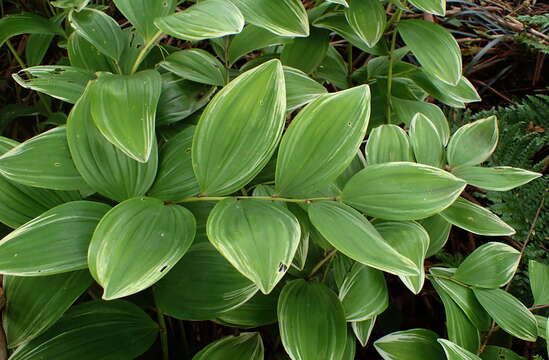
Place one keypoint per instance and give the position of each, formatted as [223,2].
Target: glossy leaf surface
[363,330]
[439,231]
[456,352]
[414,344]
[246,346]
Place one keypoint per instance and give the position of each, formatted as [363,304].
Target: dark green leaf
[196,65]
[26,23]
[315,46]
[246,346]
[414,344]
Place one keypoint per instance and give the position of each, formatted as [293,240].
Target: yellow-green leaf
[388,143]
[141,13]
[473,143]
[426,142]
[196,65]
[539,282]
[499,178]
[367,18]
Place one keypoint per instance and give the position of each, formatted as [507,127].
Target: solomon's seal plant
[238,189]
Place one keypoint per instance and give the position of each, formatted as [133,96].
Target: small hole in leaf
[163,268]
[282,267]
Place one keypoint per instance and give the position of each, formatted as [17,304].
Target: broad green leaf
[35,303]
[100,30]
[351,233]
[202,285]
[104,167]
[439,231]
[311,321]
[141,13]
[246,346]
[508,312]
[426,142]
[260,310]
[462,296]
[339,2]
[410,240]
[463,91]
[315,150]
[363,330]
[180,99]
[253,38]
[423,79]
[539,281]
[473,143]
[363,293]
[402,191]
[204,20]
[436,7]
[334,69]
[440,56]
[337,22]
[315,46]
[55,242]
[491,265]
[456,352]
[140,228]
[26,23]
[94,330]
[300,89]
[130,127]
[283,17]
[69,4]
[407,109]
[542,326]
[300,258]
[84,55]
[499,178]
[201,210]
[43,161]
[257,237]
[414,344]
[458,326]
[499,353]
[388,143]
[175,179]
[367,18]
[65,83]
[476,219]
[196,65]
[244,121]
[36,48]
[350,347]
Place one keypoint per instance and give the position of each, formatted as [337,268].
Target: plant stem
[322,262]
[447,278]
[144,51]
[397,15]
[266,198]
[163,335]
[227,42]
[539,307]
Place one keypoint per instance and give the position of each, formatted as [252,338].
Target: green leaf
[69,4]
[204,20]
[300,89]
[311,321]
[334,69]
[284,18]
[476,219]
[388,143]
[367,18]
[65,83]
[440,56]
[141,13]
[101,30]
[339,2]
[410,240]
[436,7]
[499,353]
[202,285]
[402,191]
[539,281]
[35,303]
[104,167]
[439,231]
[473,143]
[300,258]
[363,293]
[260,310]
[180,99]
[131,127]
[196,65]
[141,228]
[350,347]
[43,161]
[55,242]
[407,109]
[463,91]
[508,312]
[422,79]
[26,23]
[351,233]
[462,296]
[175,179]
[37,46]
[94,330]
[499,178]
[363,330]
[315,46]
[414,344]
[426,142]
[456,352]
[253,38]
[542,326]
[491,265]
[246,346]
[244,121]
[84,55]
[257,237]
[315,150]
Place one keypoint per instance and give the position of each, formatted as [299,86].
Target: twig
[321,263]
